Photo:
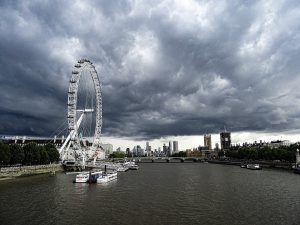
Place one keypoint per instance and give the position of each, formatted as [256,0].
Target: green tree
[221,153]
[232,153]
[180,154]
[44,159]
[251,153]
[4,154]
[286,153]
[17,154]
[32,154]
[52,152]
[117,155]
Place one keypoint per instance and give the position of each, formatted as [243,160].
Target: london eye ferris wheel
[84,114]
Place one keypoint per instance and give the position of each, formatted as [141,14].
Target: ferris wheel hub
[85,110]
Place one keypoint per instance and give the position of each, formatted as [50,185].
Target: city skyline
[173,69]
[195,141]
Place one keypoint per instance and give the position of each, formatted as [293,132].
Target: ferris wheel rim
[73,97]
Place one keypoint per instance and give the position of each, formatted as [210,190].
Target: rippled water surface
[158,193]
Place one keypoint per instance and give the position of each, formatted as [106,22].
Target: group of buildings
[171,148]
[168,149]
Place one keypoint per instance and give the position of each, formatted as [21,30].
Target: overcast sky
[168,68]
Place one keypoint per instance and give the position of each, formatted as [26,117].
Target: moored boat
[122,169]
[131,165]
[82,178]
[93,176]
[253,167]
[296,168]
[107,177]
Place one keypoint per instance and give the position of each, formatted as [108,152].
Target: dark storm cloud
[167,67]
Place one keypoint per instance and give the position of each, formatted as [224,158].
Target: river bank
[21,171]
[263,164]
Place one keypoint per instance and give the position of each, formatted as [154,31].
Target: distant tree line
[29,154]
[117,155]
[179,154]
[283,153]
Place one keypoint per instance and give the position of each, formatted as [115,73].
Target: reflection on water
[81,188]
[108,184]
[158,193]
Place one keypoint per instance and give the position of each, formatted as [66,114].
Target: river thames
[158,193]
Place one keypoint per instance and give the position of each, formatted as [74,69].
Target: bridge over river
[77,166]
[161,159]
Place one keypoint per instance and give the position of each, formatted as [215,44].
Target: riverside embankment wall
[264,164]
[10,172]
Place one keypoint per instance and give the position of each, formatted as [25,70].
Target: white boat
[131,165]
[253,166]
[88,177]
[107,177]
[82,178]
[122,169]
[94,176]
[296,168]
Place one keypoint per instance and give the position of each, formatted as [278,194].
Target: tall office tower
[140,151]
[134,151]
[207,141]
[159,149]
[225,140]
[175,146]
[165,149]
[170,148]
[150,151]
[128,151]
[148,148]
